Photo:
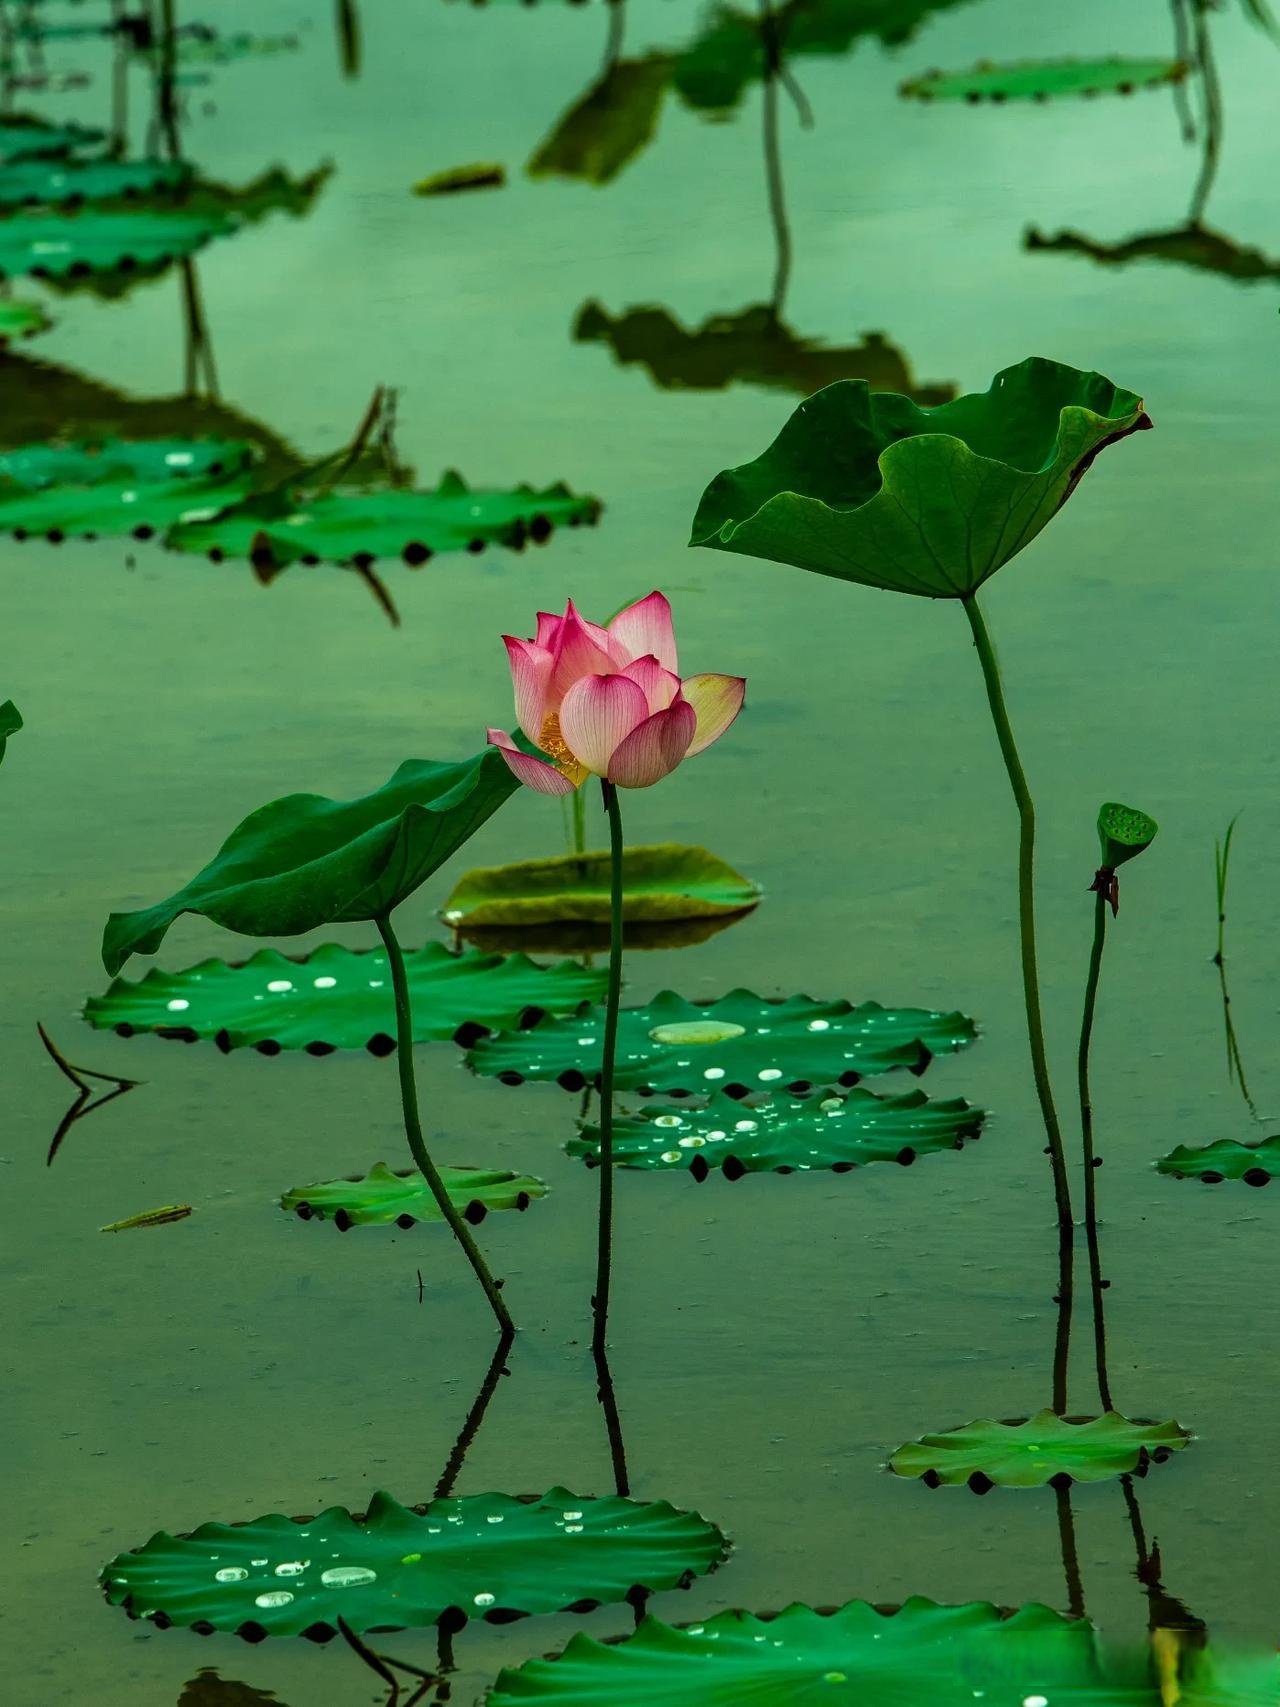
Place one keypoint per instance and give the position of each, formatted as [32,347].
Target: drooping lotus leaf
[1224,1159]
[360,526]
[58,182]
[665,881]
[614,121]
[921,1652]
[20,319]
[10,723]
[487,1556]
[1195,246]
[753,346]
[383,1198]
[1039,80]
[868,487]
[786,1134]
[1039,1450]
[340,998]
[23,137]
[136,241]
[739,1043]
[1123,833]
[305,860]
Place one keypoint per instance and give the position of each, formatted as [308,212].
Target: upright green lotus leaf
[117,486]
[1039,80]
[487,1556]
[920,1653]
[1040,1450]
[786,1134]
[58,182]
[341,998]
[737,1044]
[305,860]
[23,137]
[10,723]
[1194,246]
[20,319]
[382,1198]
[278,528]
[614,121]
[868,487]
[1123,833]
[139,241]
[662,882]
[1225,1158]
[751,347]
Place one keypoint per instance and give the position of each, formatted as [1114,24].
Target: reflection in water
[1195,246]
[612,1422]
[1235,1065]
[1070,1553]
[84,1102]
[587,936]
[207,1689]
[607,127]
[348,28]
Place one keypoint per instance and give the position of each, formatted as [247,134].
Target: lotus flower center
[697,1031]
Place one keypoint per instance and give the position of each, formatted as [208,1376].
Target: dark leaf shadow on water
[207,1689]
[588,937]
[1195,246]
[609,126]
[84,1102]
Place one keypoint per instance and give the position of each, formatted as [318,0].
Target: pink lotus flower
[609,702]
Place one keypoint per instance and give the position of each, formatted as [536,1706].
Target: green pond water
[773,1339]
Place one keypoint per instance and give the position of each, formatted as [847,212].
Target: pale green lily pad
[1039,1450]
[1225,1158]
[486,1556]
[103,240]
[276,529]
[868,487]
[20,319]
[341,998]
[383,1198]
[741,1042]
[855,1654]
[786,1134]
[661,882]
[1039,80]
[23,137]
[55,183]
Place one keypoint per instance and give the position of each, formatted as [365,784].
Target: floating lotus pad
[739,1043]
[489,1555]
[340,998]
[1043,1449]
[57,182]
[922,1652]
[665,881]
[20,319]
[784,1134]
[104,240]
[383,1198]
[88,462]
[25,138]
[304,861]
[116,486]
[1224,1159]
[361,526]
[1039,80]
[869,487]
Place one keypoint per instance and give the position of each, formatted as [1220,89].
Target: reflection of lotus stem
[1086,1135]
[1026,902]
[773,157]
[613,1425]
[1212,92]
[1070,1554]
[413,1126]
[475,1416]
[600,1303]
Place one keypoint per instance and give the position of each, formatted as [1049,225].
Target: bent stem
[413,1127]
[604,1251]
[1086,1135]
[1026,902]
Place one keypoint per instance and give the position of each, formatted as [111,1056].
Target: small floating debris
[151,1218]
[484,176]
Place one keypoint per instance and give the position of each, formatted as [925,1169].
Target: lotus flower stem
[413,1126]
[604,1255]
[1086,1137]
[1026,902]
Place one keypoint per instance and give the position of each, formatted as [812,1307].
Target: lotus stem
[604,1253]
[1235,1064]
[413,1127]
[1026,902]
[773,156]
[1211,90]
[1086,1138]
[617,10]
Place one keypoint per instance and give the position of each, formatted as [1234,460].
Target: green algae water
[774,1339]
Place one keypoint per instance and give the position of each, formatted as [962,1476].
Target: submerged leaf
[1225,1158]
[275,529]
[305,860]
[1038,80]
[10,723]
[382,1198]
[919,1652]
[1042,1449]
[57,183]
[486,1556]
[613,122]
[665,881]
[340,998]
[868,487]
[739,1043]
[786,1134]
